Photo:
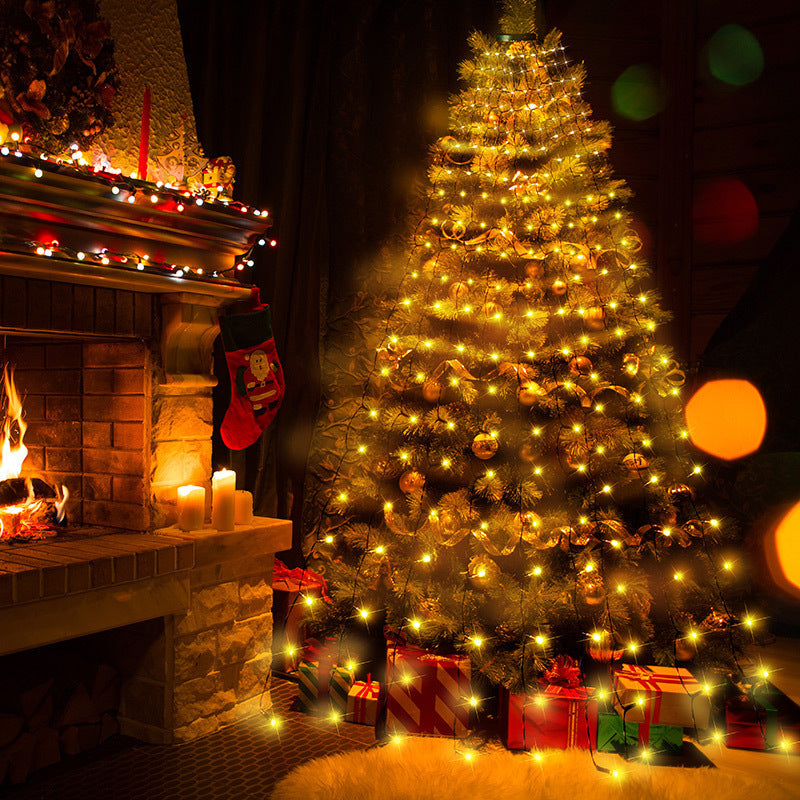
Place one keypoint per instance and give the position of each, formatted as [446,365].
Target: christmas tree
[511,476]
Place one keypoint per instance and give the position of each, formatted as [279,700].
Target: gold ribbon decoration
[482,535]
[670,378]
[503,239]
[578,391]
[450,145]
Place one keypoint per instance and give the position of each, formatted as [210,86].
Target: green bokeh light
[735,56]
[637,94]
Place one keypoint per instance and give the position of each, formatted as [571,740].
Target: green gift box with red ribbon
[322,684]
[661,696]
[617,735]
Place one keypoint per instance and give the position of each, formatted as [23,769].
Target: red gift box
[557,717]
[427,693]
[290,587]
[767,720]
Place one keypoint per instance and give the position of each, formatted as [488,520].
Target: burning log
[16,491]
[30,508]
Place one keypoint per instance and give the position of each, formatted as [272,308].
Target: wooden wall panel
[707,130]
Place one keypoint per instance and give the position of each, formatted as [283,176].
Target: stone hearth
[205,661]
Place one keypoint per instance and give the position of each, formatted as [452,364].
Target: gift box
[362,701]
[290,587]
[427,693]
[556,716]
[661,696]
[616,735]
[765,719]
[322,685]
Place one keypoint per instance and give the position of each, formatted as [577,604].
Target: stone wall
[223,647]
[189,674]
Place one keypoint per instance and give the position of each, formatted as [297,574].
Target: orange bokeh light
[787,546]
[727,418]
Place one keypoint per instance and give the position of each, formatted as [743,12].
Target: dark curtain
[327,110]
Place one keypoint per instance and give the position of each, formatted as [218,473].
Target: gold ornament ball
[634,462]
[593,593]
[595,318]
[559,288]
[458,290]
[680,492]
[432,391]
[534,270]
[529,392]
[483,572]
[580,365]
[411,481]
[484,446]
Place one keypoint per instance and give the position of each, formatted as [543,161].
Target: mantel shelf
[64,271]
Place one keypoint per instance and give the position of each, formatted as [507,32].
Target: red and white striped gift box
[661,695]
[427,693]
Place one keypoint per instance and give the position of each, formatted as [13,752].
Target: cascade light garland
[517,460]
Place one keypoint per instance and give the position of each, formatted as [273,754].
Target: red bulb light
[273,243]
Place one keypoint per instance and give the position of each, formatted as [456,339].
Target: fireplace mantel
[115,363]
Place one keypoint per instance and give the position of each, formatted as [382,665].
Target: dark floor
[241,762]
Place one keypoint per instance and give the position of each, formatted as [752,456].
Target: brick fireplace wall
[87,409]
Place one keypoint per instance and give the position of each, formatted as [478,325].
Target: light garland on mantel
[163,196]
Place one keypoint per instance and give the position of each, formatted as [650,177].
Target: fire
[28,512]
[13,455]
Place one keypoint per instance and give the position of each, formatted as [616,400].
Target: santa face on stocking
[258,382]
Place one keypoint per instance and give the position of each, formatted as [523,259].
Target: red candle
[144,138]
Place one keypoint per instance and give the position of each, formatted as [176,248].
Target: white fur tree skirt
[437,769]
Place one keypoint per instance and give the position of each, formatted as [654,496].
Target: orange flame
[13,455]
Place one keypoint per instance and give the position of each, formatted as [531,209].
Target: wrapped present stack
[652,706]
[761,717]
[323,684]
[561,713]
[426,693]
[291,588]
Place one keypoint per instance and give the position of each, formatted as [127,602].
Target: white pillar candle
[244,507]
[191,507]
[223,502]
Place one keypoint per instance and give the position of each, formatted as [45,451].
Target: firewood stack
[44,719]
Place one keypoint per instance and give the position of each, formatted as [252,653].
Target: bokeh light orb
[727,418]
[735,55]
[637,93]
[787,546]
[724,211]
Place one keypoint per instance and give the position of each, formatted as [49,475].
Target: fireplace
[109,319]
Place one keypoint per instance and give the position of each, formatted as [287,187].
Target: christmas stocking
[256,376]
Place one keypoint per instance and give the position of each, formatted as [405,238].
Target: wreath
[58,78]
